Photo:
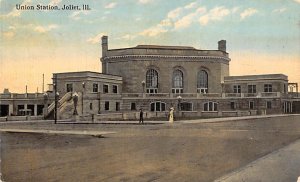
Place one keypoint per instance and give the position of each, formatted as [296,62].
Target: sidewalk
[212,120]
[282,165]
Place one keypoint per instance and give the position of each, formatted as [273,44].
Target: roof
[257,77]
[164,47]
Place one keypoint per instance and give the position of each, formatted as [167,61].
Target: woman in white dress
[171,115]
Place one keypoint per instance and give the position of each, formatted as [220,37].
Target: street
[160,152]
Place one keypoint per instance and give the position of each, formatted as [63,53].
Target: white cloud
[8,34]
[191,5]
[145,1]
[110,5]
[76,14]
[214,14]
[96,39]
[298,1]
[151,32]
[174,13]
[54,2]
[248,12]
[17,13]
[162,27]
[127,37]
[43,29]
[235,9]
[279,10]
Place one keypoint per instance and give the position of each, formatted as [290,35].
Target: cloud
[110,5]
[8,34]
[43,29]
[96,39]
[54,2]
[191,5]
[162,27]
[17,13]
[145,1]
[298,1]
[214,14]
[174,13]
[248,12]
[76,14]
[186,21]
[279,10]
[127,37]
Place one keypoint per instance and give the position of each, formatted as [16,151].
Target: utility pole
[55,99]
[43,83]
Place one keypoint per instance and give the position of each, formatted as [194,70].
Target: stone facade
[155,78]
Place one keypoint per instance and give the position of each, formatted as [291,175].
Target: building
[195,82]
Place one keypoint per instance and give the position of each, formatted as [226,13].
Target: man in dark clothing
[141,116]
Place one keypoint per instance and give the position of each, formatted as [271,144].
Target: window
[91,106]
[268,88]
[106,106]
[251,89]
[133,106]
[158,106]
[117,106]
[210,106]
[151,81]
[269,104]
[69,87]
[202,82]
[232,105]
[105,88]
[186,106]
[251,105]
[177,82]
[95,87]
[236,89]
[115,89]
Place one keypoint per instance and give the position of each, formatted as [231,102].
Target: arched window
[151,81]
[177,82]
[202,82]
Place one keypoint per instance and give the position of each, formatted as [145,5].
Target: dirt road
[179,152]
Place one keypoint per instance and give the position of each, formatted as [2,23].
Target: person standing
[171,115]
[141,116]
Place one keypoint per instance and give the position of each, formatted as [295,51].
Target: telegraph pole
[55,99]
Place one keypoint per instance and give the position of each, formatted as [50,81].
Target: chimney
[104,45]
[222,45]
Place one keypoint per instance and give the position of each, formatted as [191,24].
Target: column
[10,109]
[35,109]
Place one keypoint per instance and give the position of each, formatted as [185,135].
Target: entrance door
[4,109]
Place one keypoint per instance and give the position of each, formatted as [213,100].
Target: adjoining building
[195,82]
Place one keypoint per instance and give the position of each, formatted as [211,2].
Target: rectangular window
[236,89]
[269,104]
[115,89]
[69,87]
[117,106]
[133,106]
[232,105]
[252,89]
[106,106]
[211,106]
[268,88]
[251,105]
[91,106]
[95,87]
[105,88]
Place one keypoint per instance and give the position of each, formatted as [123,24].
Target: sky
[263,36]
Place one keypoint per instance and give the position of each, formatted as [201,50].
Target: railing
[270,94]
[22,96]
[65,98]
[202,95]
[233,94]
